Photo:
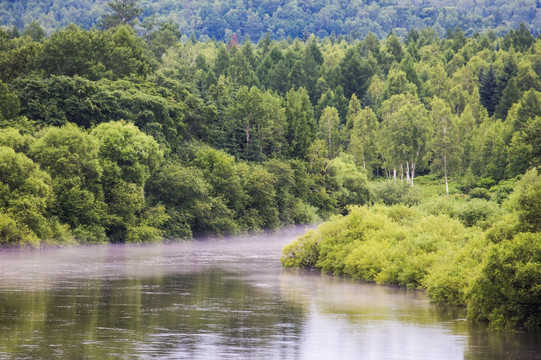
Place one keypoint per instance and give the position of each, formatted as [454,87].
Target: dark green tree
[35,31]
[300,128]
[487,90]
[125,12]
[510,95]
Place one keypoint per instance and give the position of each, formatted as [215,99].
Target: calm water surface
[227,299]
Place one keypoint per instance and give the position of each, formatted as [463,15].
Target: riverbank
[491,265]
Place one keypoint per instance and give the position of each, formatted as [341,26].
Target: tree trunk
[412,173]
[445,174]
[247,129]
[408,179]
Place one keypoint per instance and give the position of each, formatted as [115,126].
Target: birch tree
[405,131]
[329,130]
[444,144]
[362,125]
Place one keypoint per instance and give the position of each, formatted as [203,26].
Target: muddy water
[219,300]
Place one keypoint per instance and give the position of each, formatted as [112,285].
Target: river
[227,299]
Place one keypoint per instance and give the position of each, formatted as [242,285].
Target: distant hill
[294,18]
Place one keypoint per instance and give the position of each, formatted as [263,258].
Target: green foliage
[321,18]
[25,196]
[13,234]
[394,192]
[478,212]
[450,276]
[92,54]
[189,203]
[256,124]
[394,245]
[132,153]
[124,12]
[128,158]
[347,183]
[507,290]
[302,253]
[525,201]
[479,193]
[70,155]
[495,272]
[9,103]
[300,122]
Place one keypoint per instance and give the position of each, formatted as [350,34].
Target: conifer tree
[124,12]
[487,90]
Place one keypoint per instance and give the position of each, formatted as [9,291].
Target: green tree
[70,155]
[487,90]
[9,103]
[300,129]
[128,158]
[510,95]
[35,31]
[329,131]
[346,183]
[189,203]
[255,124]
[506,290]
[362,125]
[406,129]
[220,170]
[164,38]
[125,12]
[25,197]
[525,201]
[397,83]
[444,143]
[261,209]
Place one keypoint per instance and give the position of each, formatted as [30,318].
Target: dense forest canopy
[122,137]
[280,18]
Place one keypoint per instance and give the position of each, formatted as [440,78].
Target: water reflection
[221,300]
[177,316]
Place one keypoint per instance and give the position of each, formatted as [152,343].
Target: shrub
[479,193]
[302,253]
[394,192]
[478,212]
[507,290]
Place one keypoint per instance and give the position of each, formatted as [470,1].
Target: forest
[287,18]
[423,150]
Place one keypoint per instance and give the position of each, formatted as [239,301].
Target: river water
[226,299]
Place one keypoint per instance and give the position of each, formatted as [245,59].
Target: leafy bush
[302,253]
[394,192]
[478,212]
[507,290]
[479,193]
[450,275]
[12,233]
[526,201]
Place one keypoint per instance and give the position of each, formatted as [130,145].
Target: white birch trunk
[408,179]
[445,174]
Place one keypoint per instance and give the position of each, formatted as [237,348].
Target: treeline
[221,19]
[472,253]
[177,138]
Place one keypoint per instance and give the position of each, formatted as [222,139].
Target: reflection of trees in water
[173,315]
[495,345]
[363,303]
[357,300]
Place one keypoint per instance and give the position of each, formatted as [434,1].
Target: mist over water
[225,298]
